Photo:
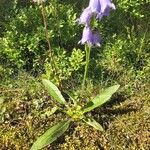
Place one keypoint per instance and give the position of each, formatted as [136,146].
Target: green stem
[87,50]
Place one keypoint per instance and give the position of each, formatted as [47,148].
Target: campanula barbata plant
[97,9]
[74,111]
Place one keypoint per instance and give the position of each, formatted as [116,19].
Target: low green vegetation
[28,109]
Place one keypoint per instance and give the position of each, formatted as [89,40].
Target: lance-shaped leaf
[50,135]
[100,99]
[93,123]
[54,91]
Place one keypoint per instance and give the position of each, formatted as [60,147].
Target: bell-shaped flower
[95,6]
[87,36]
[90,38]
[106,5]
[101,7]
[85,16]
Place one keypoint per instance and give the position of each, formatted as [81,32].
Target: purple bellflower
[90,38]
[85,16]
[87,36]
[95,6]
[106,5]
[101,7]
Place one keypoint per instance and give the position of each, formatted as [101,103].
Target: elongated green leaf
[101,98]
[93,123]
[50,135]
[54,91]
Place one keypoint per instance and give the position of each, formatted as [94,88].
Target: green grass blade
[54,91]
[50,135]
[101,98]
[93,123]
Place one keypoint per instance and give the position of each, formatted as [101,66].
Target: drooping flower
[95,6]
[98,8]
[85,16]
[87,36]
[96,38]
[101,7]
[106,6]
[90,38]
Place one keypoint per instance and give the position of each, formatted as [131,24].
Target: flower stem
[45,26]
[44,16]
[87,50]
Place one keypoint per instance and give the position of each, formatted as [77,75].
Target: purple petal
[87,36]
[95,6]
[85,16]
[96,38]
[106,5]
